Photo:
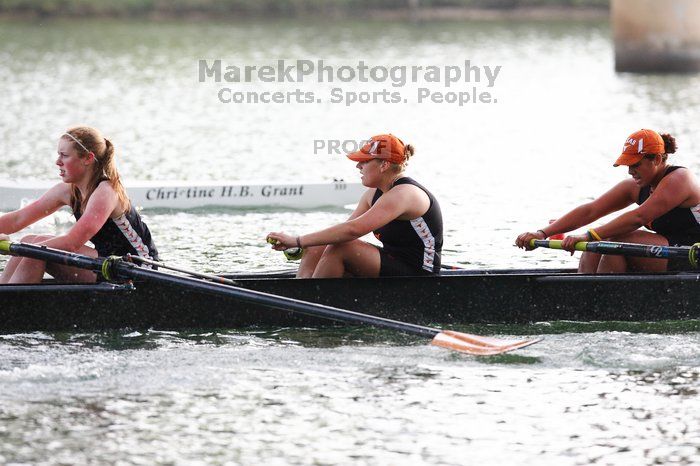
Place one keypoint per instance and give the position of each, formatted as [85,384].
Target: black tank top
[127,234]
[678,220]
[417,242]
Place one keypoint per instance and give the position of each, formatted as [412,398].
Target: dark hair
[670,147]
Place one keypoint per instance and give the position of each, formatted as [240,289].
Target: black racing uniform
[127,234]
[680,226]
[411,247]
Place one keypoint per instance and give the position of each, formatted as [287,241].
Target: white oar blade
[477,345]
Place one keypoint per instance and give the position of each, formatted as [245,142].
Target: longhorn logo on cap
[374,148]
[632,142]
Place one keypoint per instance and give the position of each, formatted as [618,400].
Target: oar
[689,253]
[162,265]
[115,268]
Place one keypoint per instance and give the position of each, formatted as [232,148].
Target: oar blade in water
[477,345]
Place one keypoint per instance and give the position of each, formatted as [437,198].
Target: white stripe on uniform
[424,233]
[696,212]
[134,239]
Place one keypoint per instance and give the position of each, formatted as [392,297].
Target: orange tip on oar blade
[477,345]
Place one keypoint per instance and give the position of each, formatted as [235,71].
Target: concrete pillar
[661,36]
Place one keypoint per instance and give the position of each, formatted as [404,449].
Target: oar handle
[689,253]
[57,256]
[292,254]
[556,244]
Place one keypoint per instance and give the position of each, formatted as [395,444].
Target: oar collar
[109,265]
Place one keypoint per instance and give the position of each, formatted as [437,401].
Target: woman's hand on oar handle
[569,243]
[281,241]
[523,240]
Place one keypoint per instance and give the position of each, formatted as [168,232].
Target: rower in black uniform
[126,234]
[404,216]
[104,215]
[410,245]
[668,199]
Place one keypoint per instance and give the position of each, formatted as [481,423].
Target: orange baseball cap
[384,147]
[639,144]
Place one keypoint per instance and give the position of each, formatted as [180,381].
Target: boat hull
[512,297]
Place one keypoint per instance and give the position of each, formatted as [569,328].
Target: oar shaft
[625,249]
[51,255]
[128,270]
[161,265]
[273,301]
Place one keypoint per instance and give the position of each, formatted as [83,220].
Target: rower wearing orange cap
[403,215]
[669,207]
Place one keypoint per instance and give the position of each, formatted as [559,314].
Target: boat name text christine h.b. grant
[194,192]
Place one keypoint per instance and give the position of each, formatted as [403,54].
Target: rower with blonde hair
[403,215]
[92,188]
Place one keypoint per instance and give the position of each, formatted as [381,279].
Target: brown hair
[670,147]
[104,168]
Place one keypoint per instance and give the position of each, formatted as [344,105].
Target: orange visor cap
[639,144]
[383,147]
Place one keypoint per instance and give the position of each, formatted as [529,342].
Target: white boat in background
[189,195]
